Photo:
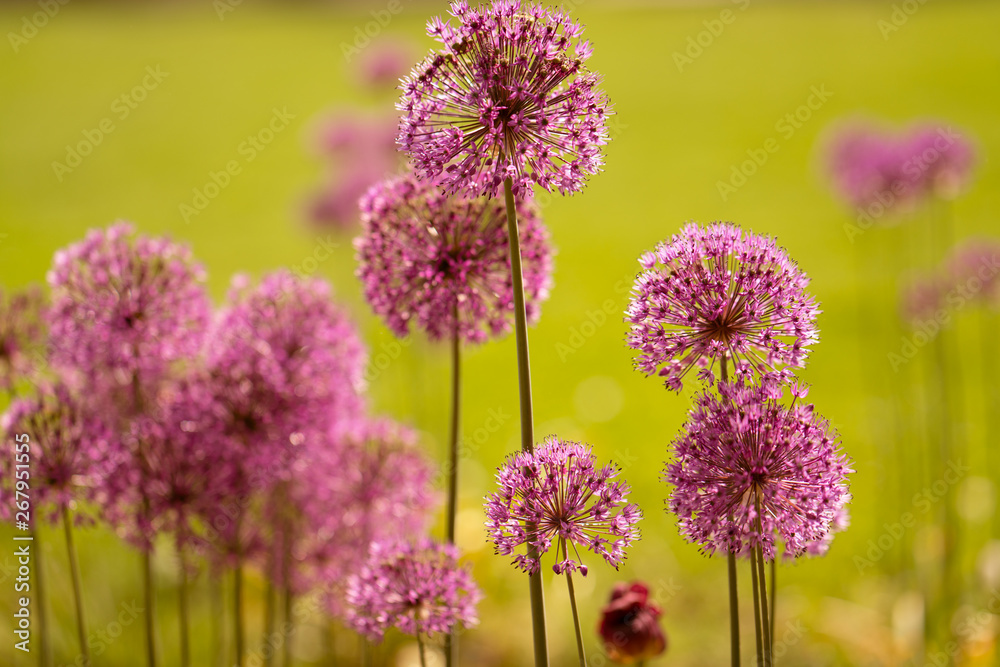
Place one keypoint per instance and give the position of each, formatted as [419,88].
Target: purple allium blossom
[942,157]
[749,470]
[417,587]
[423,254]
[71,451]
[384,63]
[973,268]
[381,487]
[125,305]
[922,297]
[559,489]
[714,292]
[841,521]
[22,335]
[508,96]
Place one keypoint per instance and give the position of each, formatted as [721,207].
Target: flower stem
[774,596]
[270,604]
[74,570]
[182,605]
[423,656]
[44,646]
[238,608]
[149,595]
[450,640]
[576,620]
[290,628]
[217,626]
[756,608]
[764,622]
[734,612]
[527,428]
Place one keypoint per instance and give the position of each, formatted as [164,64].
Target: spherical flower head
[380,483]
[425,256]
[383,64]
[508,96]
[284,355]
[70,451]
[973,269]
[943,158]
[556,493]
[125,305]
[417,587]
[22,335]
[841,521]
[922,298]
[749,470]
[714,293]
[629,625]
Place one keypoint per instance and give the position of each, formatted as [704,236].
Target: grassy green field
[678,132]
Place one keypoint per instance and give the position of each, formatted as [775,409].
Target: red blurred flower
[629,625]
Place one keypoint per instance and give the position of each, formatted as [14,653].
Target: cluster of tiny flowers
[361,150]
[22,335]
[557,493]
[425,257]
[880,171]
[124,304]
[716,292]
[71,451]
[749,469]
[417,587]
[508,96]
[381,487]
[283,354]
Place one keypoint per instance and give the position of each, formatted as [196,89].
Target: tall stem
[774,596]
[270,605]
[149,594]
[991,403]
[450,640]
[420,645]
[527,427]
[734,602]
[765,624]
[238,608]
[44,645]
[74,571]
[756,608]
[287,647]
[576,614]
[217,625]
[182,605]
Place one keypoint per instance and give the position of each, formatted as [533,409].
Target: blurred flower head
[22,335]
[923,296]
[508,96]
[384,63]
[125,305]
[556,493]
[425,257]
[630,625]
[714,293]
[417,587]
[749,470]
[973,269]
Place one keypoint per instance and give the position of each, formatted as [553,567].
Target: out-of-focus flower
[384,63]
[943,158]
[508,96]
[629,625]
[125,305]
[922,298]
[973,268]
[425,256]
[70,452]
[22,335]
[749,470]
[716,292]
[416,587]
[556,493]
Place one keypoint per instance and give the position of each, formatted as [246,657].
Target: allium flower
[417,587]
[125,305]
[974,269]
[380,483]
[749,470]
[714,292]
[22,335]
[71,451]
[283,357]
[559,490]
[424,254]
[508,96]
[922,297]
[629,625]
[384,63]
[841,521]
[943,159]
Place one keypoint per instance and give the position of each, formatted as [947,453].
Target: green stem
[423,655]
[756,609]
[289,599]
[74,570]
[270,604]
[734,612]
[450,640]
[576,614]
[238,608]
[774,590]
[527,428]
[44,645]
[182,598]
[149,595]
[765,624]
[217,623]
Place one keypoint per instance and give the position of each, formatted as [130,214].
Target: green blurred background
[678,132]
